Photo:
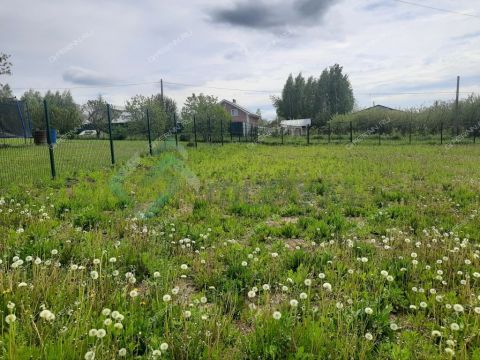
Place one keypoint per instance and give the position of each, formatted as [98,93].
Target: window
[234,112]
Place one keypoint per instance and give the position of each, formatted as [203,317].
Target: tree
[34,100]
[208,114]
[5,69]
[96,113]
[65,114]
[159,123]
[318,99]
[5,92]
[5,65]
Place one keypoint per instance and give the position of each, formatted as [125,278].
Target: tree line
[316,98]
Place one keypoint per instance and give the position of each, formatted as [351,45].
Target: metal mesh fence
[45,154]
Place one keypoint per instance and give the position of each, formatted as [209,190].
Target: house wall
[241,117]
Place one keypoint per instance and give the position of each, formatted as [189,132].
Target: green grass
[251,223]
[22,162]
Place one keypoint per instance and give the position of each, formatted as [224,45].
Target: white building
[296,127]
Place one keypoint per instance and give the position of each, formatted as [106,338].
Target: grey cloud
[81,76]
[259,15]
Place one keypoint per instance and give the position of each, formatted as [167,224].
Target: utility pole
[161,92]
[456,105]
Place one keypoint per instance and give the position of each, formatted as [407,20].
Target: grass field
[248,252]
[26,163]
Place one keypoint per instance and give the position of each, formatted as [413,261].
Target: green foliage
[208,115]
[317,99]
[65,114]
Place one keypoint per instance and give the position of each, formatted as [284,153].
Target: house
[377,108]
[296,127]
[243,121]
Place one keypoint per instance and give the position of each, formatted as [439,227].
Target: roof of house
[296,122]
[378,107]
[234,104]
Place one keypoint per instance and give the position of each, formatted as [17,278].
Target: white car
[88,133]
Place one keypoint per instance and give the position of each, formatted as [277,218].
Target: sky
[396,53]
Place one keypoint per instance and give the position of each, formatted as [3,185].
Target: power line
[228,89]
[437,9]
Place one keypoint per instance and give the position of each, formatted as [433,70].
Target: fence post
[231,133]
[209,131]
[308,134]
[221,129]
[379,136]
[410,134]
[351,132]
[149,134]
[195,130]
[49,141]
[109,117]
[329,132]
[176,129]
[281,131]
[441,133]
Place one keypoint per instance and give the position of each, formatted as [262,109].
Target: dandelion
[244,263]
[54,252]
[251,294]
[118,326]
[94,275]
[122,352]
[423,305]
[175,290]
[156,274]
[436,333]
[339,305]
[167,298]
[458,308]
[394,326]
[101,333]
[303,296]
[390,278]
[369,336]
[477,310]
[112,260]
[368,311]
[107,322]
[203,300]
[156,353]
[454,327]
[277,315]
[293,303]
[47,315]
[327,286]
[106,312]
[133,293]
[187,314]
[321,276]
[10,305]
[184,267]
[10,318]
[92,332]
[164,347]
[307,282]
[449,351]
[384,273]
[266,287]
[90,355]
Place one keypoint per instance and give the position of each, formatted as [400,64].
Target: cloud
[81,76]
[261,16]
